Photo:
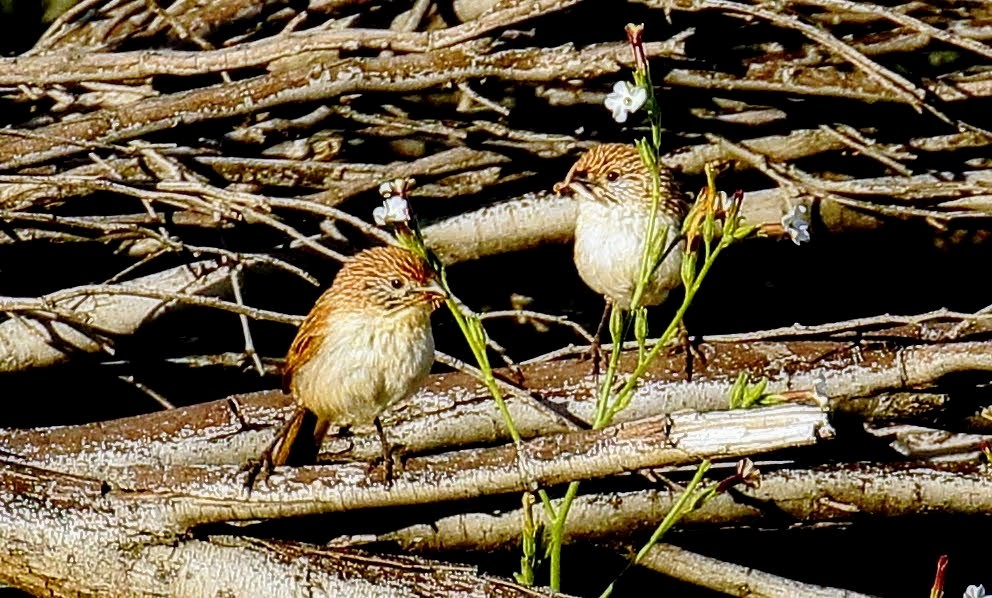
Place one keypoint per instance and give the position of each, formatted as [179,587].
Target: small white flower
[400,187]
[796,223]
[625,99]
[820,391]
[393,209]
[386,189]
[975,592]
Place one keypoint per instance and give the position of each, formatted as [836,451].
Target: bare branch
[731,579]
[29,342]
[788,496]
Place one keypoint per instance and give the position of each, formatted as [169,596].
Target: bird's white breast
[363,367]
[609,242]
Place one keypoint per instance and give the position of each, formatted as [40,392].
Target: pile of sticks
[195,143]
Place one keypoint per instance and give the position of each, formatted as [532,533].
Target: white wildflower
[975,592]
[400,187]
[796,223]
[820,390]
[625,99]
[393,209]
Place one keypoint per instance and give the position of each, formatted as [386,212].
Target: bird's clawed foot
[262,466]
[594,352]
[392,456]
[390,463]
[278,451]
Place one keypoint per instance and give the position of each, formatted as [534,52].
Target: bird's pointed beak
[433,292]
[574,185]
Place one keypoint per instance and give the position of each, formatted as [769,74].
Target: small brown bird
[366,345]
[614,191]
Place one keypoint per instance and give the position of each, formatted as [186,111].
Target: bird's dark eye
[612,175]
[396,283]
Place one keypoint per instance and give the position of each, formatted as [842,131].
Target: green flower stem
[627,391]
[647,258]
[475,335]
[606,412]
[616,335]
[470,325]
[558,534]
[689,501]
[620,319]
[472,329]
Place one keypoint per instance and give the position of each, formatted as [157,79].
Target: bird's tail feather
[299,440]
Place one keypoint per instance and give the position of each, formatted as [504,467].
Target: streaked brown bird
[614,192]
[366,345]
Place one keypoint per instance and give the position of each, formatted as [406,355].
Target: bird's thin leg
[387,450]
[692,351]
[594,349]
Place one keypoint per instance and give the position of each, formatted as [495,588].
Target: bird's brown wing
[300,439]
[307,341]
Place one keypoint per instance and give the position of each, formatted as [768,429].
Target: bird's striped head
[613,173]
[387,279]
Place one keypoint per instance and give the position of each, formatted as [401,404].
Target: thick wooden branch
[731,579]
[875,379]
[86,322]
[308,79]
[68,536]
[788,496]
[80,66]
[201,495]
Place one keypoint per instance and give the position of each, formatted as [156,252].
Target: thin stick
[536,315]
[235,276]
[161,400]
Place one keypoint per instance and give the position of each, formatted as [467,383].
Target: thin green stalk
[558,534]
[669,333]
[623,397]
[475,335]
[687,502]
[646,251]
[474,332]
[651,254]
[618,324]
[619,320]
